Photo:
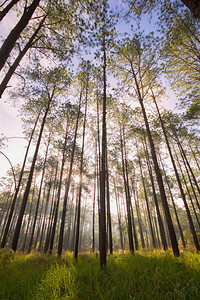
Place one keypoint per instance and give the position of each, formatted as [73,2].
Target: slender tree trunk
[188,164]
[119,219]
[93,213]
[82,225]
[94,197]
[6,214]
[98,165]
[44,217]
[134,229]
[138,213]
[147,205]
[192,229]
[3,243]
[196,242]
[160,222]
[195,158]
[191,183]
[59,190]
[81,181]
[173,203]
[102,219]
[109,236]
[61,234]
[29,220]
[39,220]
[6,206]
[130,234]
[128,189]
[188,192]
[39,195]
[52,212]
[145,223]
[14,66]
[10,41]
[4,12]
[159,178]
[28,186]
[75,221]
[157,232]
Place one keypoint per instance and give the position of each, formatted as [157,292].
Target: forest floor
[144,275]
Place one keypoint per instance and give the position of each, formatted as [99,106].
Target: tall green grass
[144,275]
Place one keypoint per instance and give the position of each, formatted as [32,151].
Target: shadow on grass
[145,275]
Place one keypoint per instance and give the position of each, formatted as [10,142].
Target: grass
[144,275]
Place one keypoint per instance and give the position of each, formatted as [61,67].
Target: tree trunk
[147,203]
[173,203]
[159,179]
[55,214]
[10,41]
[93,212]
[188,164]
[3,243]
[160,222]
[130,234]
[102,217]
[119,218]
[61,234]
[52,212]
[109,236]
[138,214]
[44,217]
[29,219]
[38,200]
[81,181]
[28,186]
[178,179]
[14,66]
[194,7]
[128,189]
[192,229]
[4,12]
[188,191]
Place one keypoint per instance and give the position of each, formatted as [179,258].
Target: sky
[10,123]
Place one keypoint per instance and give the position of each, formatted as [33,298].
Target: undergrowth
[144,275]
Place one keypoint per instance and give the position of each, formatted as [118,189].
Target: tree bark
[194,7]
[128,205]
[61,234]
[38,200]
[81,182]
[160,222]
[102,219]
[28,186]
[173,203]
[159,177]
[3,243]
[4,12]
[14,66]
[55,214]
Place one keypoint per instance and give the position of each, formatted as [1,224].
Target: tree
[13,36]
[50,90]
[134,62]
[6,9]
[85,82]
